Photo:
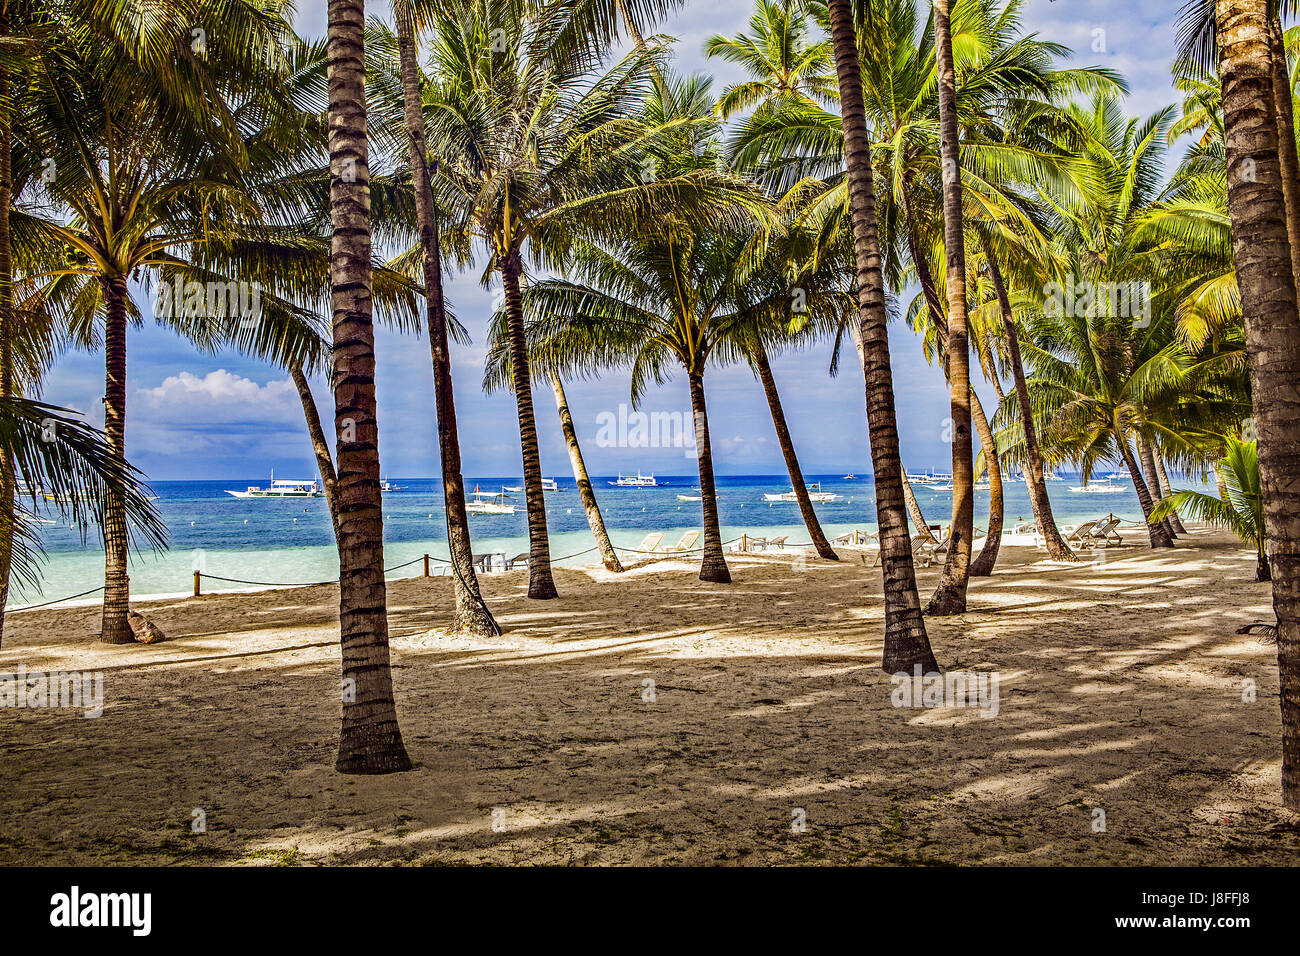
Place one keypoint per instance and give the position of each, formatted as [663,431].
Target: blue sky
[194,415]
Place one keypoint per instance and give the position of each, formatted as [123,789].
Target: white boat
[548,484]
[1106,486]
[689,498]
[640,481]
[386,485]
[850,477]
[283,488]
[489,503]
[815,493]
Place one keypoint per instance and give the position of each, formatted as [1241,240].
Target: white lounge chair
[778,542]
[650,543]
[1103,534]
[686,544]
[1080,534]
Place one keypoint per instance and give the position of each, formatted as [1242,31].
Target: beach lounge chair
[1104,534]
[650,543]
[925,550]
[483,562]
[687,543]
[519,560]
[778,542]
[1080,534]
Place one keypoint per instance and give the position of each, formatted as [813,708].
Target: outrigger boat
[640,481]
[282,488]
[488,503]
[815,493]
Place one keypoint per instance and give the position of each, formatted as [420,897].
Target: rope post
[426,565]
[198,575]
[744,542]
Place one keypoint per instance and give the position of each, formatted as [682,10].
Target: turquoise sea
[289,541]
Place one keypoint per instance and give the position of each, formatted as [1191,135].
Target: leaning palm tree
[1241,510]
[370,740]
[906,641]
[538,147]
[497,374]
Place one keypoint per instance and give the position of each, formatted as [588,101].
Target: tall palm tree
[539,146]
[1257,208]
[906,642]
[950,595]
[370,740]
[472,613]
[140,169]
[497,374]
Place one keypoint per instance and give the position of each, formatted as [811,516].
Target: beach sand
[1121,689]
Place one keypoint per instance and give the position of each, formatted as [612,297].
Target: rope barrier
[33,607]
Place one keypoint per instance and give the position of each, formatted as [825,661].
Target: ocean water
[290,542]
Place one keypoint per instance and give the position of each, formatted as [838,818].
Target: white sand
[1120,689]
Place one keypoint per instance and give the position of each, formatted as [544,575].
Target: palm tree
[1268,299]
[140,168]
[783,62]
[67,465]
[370,740]
[472,614]
[497,374]
[649,302]
[539,146]
[1241,510]
[906,642]
[950,595]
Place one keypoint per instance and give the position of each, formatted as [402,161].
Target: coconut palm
[906,642]
[537,149]
[784,62]
[370,740]
[1241,511]
[1265,275]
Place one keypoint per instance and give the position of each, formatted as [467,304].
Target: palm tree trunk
[540,583]
[321,448]
[1147,457]
[1158,533]
[914,509]
[472,615]
[1057,549]
[1267,282]
[370,740]
[982,566]
[115,628]
[608,556]
[1220,484]
[7,471]
[713,567]
[1286,148]
[950,595]
[1166,490]
[810,521]
[906,642]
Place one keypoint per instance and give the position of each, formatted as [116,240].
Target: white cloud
[218,396]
